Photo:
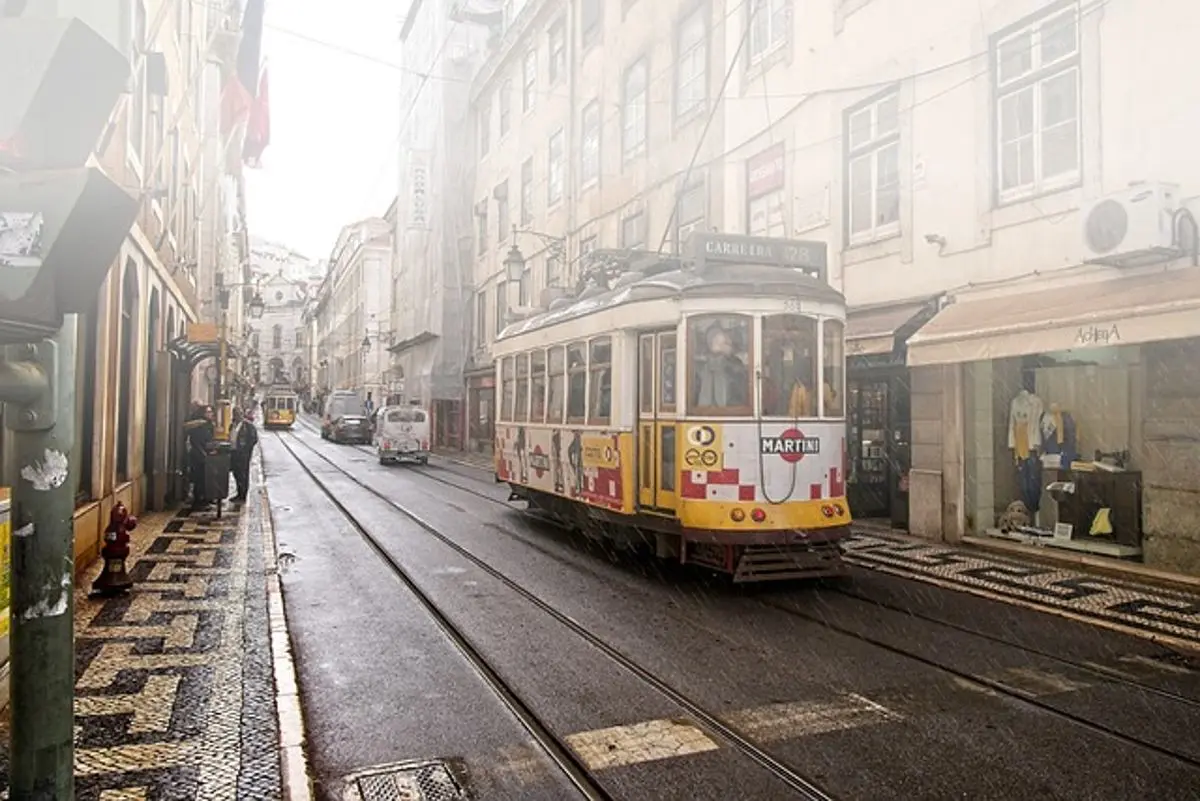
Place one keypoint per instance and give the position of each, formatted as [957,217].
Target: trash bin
[217,464]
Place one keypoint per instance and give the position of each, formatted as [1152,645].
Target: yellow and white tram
[279,407]
[700,401]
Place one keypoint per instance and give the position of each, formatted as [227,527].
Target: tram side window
[789,369]
[600,373]
[576,382]
[646,374]
[558,386]
[666,359]
[834,336]
[521,415]
[537,386]
[507,389]
[720,364]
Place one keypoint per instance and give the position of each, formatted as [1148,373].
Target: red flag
[258,129]
[235,105]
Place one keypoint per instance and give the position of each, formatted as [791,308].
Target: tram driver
[723,374]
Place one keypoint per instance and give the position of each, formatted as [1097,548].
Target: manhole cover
[413,781]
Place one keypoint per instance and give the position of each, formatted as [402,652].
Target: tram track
[998,687]
[554,746]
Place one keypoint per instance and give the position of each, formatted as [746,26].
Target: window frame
[870,152]
[481,299]
[529,66]
[521,402]
[582,367]
[537,373]
[593,34]
[559,417]
[815,375]
[507,381]
[505,102]
[1033,80]
[527,191]
[695,13]
[684,224]
[593,369]
[556,169]
[635,102]
[482,235]
[776,39]
[745,410]
[556,48]
[501,304]
[503,220]
[837,363]
[637,217]
[589,157]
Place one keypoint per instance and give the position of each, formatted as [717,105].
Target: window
[537,386]
[691,69]
[554,191]
[557,46]
[481,318]
[693,208]
[666,373]
[526,287]
[591,22]
[589,153]
[720,365]
[527,192]
[557,385]
[873,166]
[553,266]
[502,221]
[521,413]
[633,231]
[506,92]
[507,389]
[789,369]
[646,376]
[406,416]
[1037,106]
[481,225]
[576,382]
[485,127]
[277,337]
[600,381]
[769,27]
[833,333]
[529,81]
[633,110]
[501,305]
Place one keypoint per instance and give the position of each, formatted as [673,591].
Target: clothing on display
[1059,435]
[1029,482]
[1024,418]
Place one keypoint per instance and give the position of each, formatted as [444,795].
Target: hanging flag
[250,52]
[238,94]
[258,129]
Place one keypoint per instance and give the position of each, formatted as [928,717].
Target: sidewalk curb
[293,761]
[1125,571]
[483,468]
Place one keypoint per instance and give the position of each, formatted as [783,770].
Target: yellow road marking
[639,742]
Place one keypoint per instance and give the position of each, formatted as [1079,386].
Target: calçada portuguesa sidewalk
[181,686]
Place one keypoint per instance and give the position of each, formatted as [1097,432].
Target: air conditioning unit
[1133,227]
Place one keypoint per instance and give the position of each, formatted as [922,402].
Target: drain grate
[419,781]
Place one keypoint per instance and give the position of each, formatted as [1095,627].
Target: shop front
[877,411]
[1069,417]
[481,405]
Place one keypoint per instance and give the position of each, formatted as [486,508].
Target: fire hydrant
[114,579]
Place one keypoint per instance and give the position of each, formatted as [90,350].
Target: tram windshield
[721,364]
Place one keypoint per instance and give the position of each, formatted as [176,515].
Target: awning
[1118,311]
[873,330]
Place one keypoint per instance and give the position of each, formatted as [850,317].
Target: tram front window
[789,366]
[720,365]
[834,334]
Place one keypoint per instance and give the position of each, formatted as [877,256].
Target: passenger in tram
[722,374]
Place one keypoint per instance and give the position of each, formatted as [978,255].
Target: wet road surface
[876,687]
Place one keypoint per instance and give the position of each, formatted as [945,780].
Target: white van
[402,433]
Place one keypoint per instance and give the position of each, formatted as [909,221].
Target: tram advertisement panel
[591,466]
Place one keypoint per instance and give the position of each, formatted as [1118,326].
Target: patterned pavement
[175,693]
[1167,616]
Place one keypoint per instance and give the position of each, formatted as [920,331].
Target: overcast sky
[334,120]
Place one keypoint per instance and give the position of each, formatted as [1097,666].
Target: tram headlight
[737,515]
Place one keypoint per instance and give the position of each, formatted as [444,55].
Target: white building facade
[278,341]
[962,160]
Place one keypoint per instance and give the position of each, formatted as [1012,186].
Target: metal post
[38,383]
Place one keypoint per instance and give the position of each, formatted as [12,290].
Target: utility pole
[61,228]
[38,386]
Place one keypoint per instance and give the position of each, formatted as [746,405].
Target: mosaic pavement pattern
[1141,609]
[174,689]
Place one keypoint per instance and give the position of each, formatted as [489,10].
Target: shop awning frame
[1127,310]
[882,329]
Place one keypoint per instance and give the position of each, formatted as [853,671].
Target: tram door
[657,471]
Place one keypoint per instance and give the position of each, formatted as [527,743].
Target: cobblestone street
[175,694]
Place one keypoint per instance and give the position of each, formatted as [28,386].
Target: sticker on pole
[48,474]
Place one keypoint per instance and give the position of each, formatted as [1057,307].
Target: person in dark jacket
[200,430]
[245,437]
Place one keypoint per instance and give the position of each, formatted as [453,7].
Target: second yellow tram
[279,408]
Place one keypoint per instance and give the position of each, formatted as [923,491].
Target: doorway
[657,417]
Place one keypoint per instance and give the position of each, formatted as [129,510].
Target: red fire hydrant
[114,579]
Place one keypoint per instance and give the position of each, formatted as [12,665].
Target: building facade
[163,143]
[349,319]
[597,126]
[1013,165]
[432,262]
[278,341]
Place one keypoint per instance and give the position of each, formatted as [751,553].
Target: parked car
[344,419]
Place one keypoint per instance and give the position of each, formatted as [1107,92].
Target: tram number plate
[791,305]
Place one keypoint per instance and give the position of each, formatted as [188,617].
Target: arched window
[277,337]
[128,355]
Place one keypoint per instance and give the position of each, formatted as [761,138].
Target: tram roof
[715,280]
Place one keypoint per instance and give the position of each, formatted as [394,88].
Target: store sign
[418,190]
[791,445]
[764,172]
[1089,335]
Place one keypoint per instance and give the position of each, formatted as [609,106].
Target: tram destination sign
[708,247]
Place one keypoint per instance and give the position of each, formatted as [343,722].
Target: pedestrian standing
[200,430]
[245,437]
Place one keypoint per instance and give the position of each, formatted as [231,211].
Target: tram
[279,407]
[696,406]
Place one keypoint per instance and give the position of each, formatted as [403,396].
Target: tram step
[773,563]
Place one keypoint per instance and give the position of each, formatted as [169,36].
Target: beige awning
[871,331]
[1118,311]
